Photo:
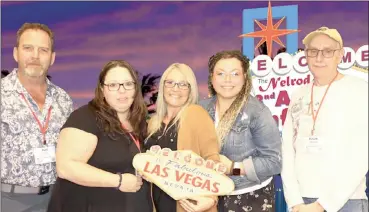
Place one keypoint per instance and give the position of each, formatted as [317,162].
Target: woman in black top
[96,147]
[165,138]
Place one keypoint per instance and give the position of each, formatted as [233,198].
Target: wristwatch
[236,169]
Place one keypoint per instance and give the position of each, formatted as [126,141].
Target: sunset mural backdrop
[152,35]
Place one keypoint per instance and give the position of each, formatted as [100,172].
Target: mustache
[34,63]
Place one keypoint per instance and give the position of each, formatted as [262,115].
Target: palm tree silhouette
[281,50]
[150,90]
[4,73]
[263,49]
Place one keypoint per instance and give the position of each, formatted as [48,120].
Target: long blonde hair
[161,106]
[230,115]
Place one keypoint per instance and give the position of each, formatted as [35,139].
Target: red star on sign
[270,32]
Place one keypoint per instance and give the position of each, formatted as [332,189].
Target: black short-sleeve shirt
[166,138]
[110,155]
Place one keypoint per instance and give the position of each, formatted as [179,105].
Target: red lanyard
[134,139]
[315,116]
[43,128]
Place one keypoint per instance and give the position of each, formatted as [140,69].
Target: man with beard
[33,110]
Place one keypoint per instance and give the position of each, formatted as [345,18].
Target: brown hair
[230,115]
[213,60]
[35,26]
[107,117]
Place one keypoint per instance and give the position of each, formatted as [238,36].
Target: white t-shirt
[333,167]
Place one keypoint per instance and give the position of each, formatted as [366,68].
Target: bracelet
[120,180]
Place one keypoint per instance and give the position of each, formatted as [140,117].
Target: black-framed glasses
[114,86]
[172,84]
[327,53]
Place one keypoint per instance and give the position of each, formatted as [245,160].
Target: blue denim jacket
[254,139]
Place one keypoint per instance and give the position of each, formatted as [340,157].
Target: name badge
[313,145]
[44,154]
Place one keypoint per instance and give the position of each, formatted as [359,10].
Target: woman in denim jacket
[248,135]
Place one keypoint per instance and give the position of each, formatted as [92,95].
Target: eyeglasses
[116,86]
[232,76]
[172,84]
[327,53]
[222,74]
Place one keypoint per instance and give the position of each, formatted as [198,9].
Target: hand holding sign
[226,162]
[197,204]
[183,174]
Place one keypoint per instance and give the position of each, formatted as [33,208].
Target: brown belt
[24,189]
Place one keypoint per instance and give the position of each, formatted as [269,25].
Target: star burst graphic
[270,32]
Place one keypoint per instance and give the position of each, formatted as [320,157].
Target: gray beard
[32,72]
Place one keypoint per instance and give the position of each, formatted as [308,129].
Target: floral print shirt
[21,134]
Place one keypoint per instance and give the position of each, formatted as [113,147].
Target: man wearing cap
[325,135]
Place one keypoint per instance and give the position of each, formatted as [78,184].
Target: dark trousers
[163,202]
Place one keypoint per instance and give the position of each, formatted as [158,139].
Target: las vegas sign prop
[183,174]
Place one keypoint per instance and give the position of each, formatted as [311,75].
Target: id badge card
[313,145]
[44,154]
